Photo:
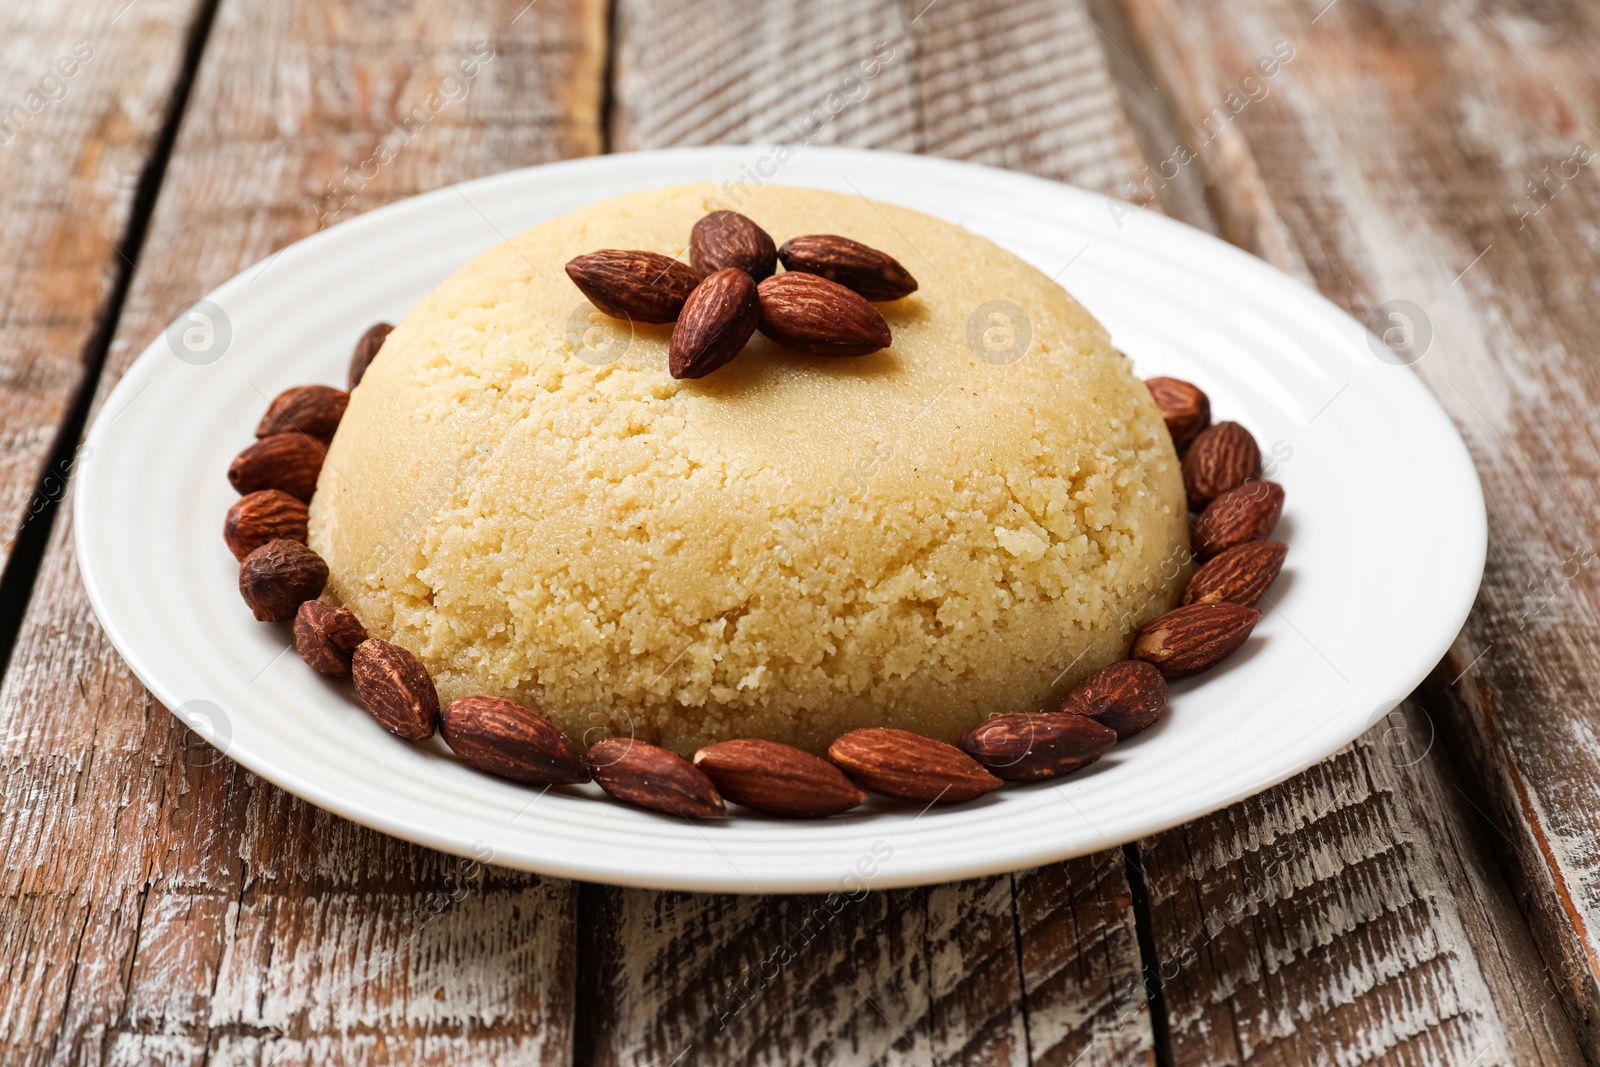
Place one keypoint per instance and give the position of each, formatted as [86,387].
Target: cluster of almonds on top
[820,305]
[281,579]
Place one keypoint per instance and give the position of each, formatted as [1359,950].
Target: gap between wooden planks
[1027,86]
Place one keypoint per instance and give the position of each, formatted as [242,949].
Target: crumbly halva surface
[790,548]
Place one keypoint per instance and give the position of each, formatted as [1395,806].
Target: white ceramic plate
[1384,518]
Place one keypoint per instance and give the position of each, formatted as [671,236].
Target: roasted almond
[503,738]
[289,462]
[1126,696]
[873,274]
[366,350]
[727,240]
[819,317]
[314,410]
[326,635]
[1237,576]
[1221,458]
[394,687]
[641,286]
[778,779]
[1247,513]
[653,778]
[262,516]
[1186,409]
[1189,640]
[1025,748]
[717,320]
[278,577]
[898,763]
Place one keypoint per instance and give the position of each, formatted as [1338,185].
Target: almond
[262,516]
[394,687]
[1186,409]
[1247,513]
[1126,696]
[325,636]
[653,778]
[778,779]
[819,317]
[898,763]
[366,350]
[1239,575]
[717,320]
[289,462]
[1025,748]
[278,577]
[314,410]
[1221,458]
[640,286]
[873,274]
[726,240]
[505,739]
[1189,640]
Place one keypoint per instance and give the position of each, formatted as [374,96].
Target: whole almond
[653,778]
[262,516]
[717,321]
[1189,640]
[278,577]
[289,462]
[1186,409]
[1237,576]
[1221,457]
[875,275]
[725,240]
[314,410]
[1025,748]
[777,779]
[819,317]
[1126,696]
[1247,513]
[394,687]
[898,763]
[366,350]
[503,738]
[641,286]
[326,635]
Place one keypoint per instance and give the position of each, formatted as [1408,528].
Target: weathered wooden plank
[159,904]
[935,974]
[853,976]
[1022,85]
[84,93]
[1443,156]
[1346,917]
[904,976]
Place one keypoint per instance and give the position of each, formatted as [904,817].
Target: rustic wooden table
[1431,894]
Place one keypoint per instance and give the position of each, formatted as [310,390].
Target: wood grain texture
[1434,153]
[74,141]
[898,977]
[1346,917]
[158,904]
[1021,85]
